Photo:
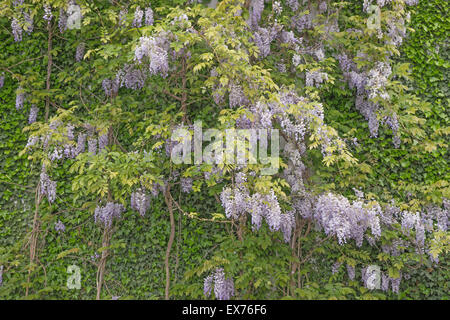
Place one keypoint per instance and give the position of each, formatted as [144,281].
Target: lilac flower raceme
[81,144]
[186,185]
[122,17]
[92,146]
[33,114]
[140,201]
[62,23]
[47,186]
[28,22]
[20,98]
[277,7]
[155,49]
[149,16]
[293,4]
[237,96]
[351,272]
[60,227]
[47,13]
[2,80]
[79,54]
[102,142]
[1,275]
[315,78]
[208,285]
[337,216]
[335,267]
[263,38]
[106,214]
[111,87]
[16,30]
[138,14]
[223,287]
[256,9]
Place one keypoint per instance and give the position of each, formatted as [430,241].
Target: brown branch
[107,232]
[49,70]
[171,238]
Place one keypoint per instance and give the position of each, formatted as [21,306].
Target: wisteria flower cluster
[237,202]
[223,287]
[105,215]
[140,201]
[156,50]
[47,186]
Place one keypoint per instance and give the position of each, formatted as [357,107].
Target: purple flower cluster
[79,54]
[62,23]
[92,146]
[33,114]
[131,77]
[149,16]
[315,78]
[105,215]
[102,142]
[48,13]
[263,37]
[237,201]
[337,216]
[140,201]
[155,49]
[186,185]
[111,87]
[16,30]
[138,14]
[237,97]
[256,9]
[47,186]
[223,287]
[28,22]
[122,17]
[20,98]
[60,227]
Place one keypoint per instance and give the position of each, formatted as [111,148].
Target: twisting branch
[49,70]
[168,198]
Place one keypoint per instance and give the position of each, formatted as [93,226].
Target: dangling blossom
[105,215]
[223,287]
[155,49]
[81,144]
[28,22]
[47,186]
[62,23]
[20,98]
[79,54]
[16,30]
[122,17]
[186,185]
[92,146]
[102,142]
[60,227]
[138,14]
[256,9]
[149,16]
[140,201]
[47,13]
[33,114]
